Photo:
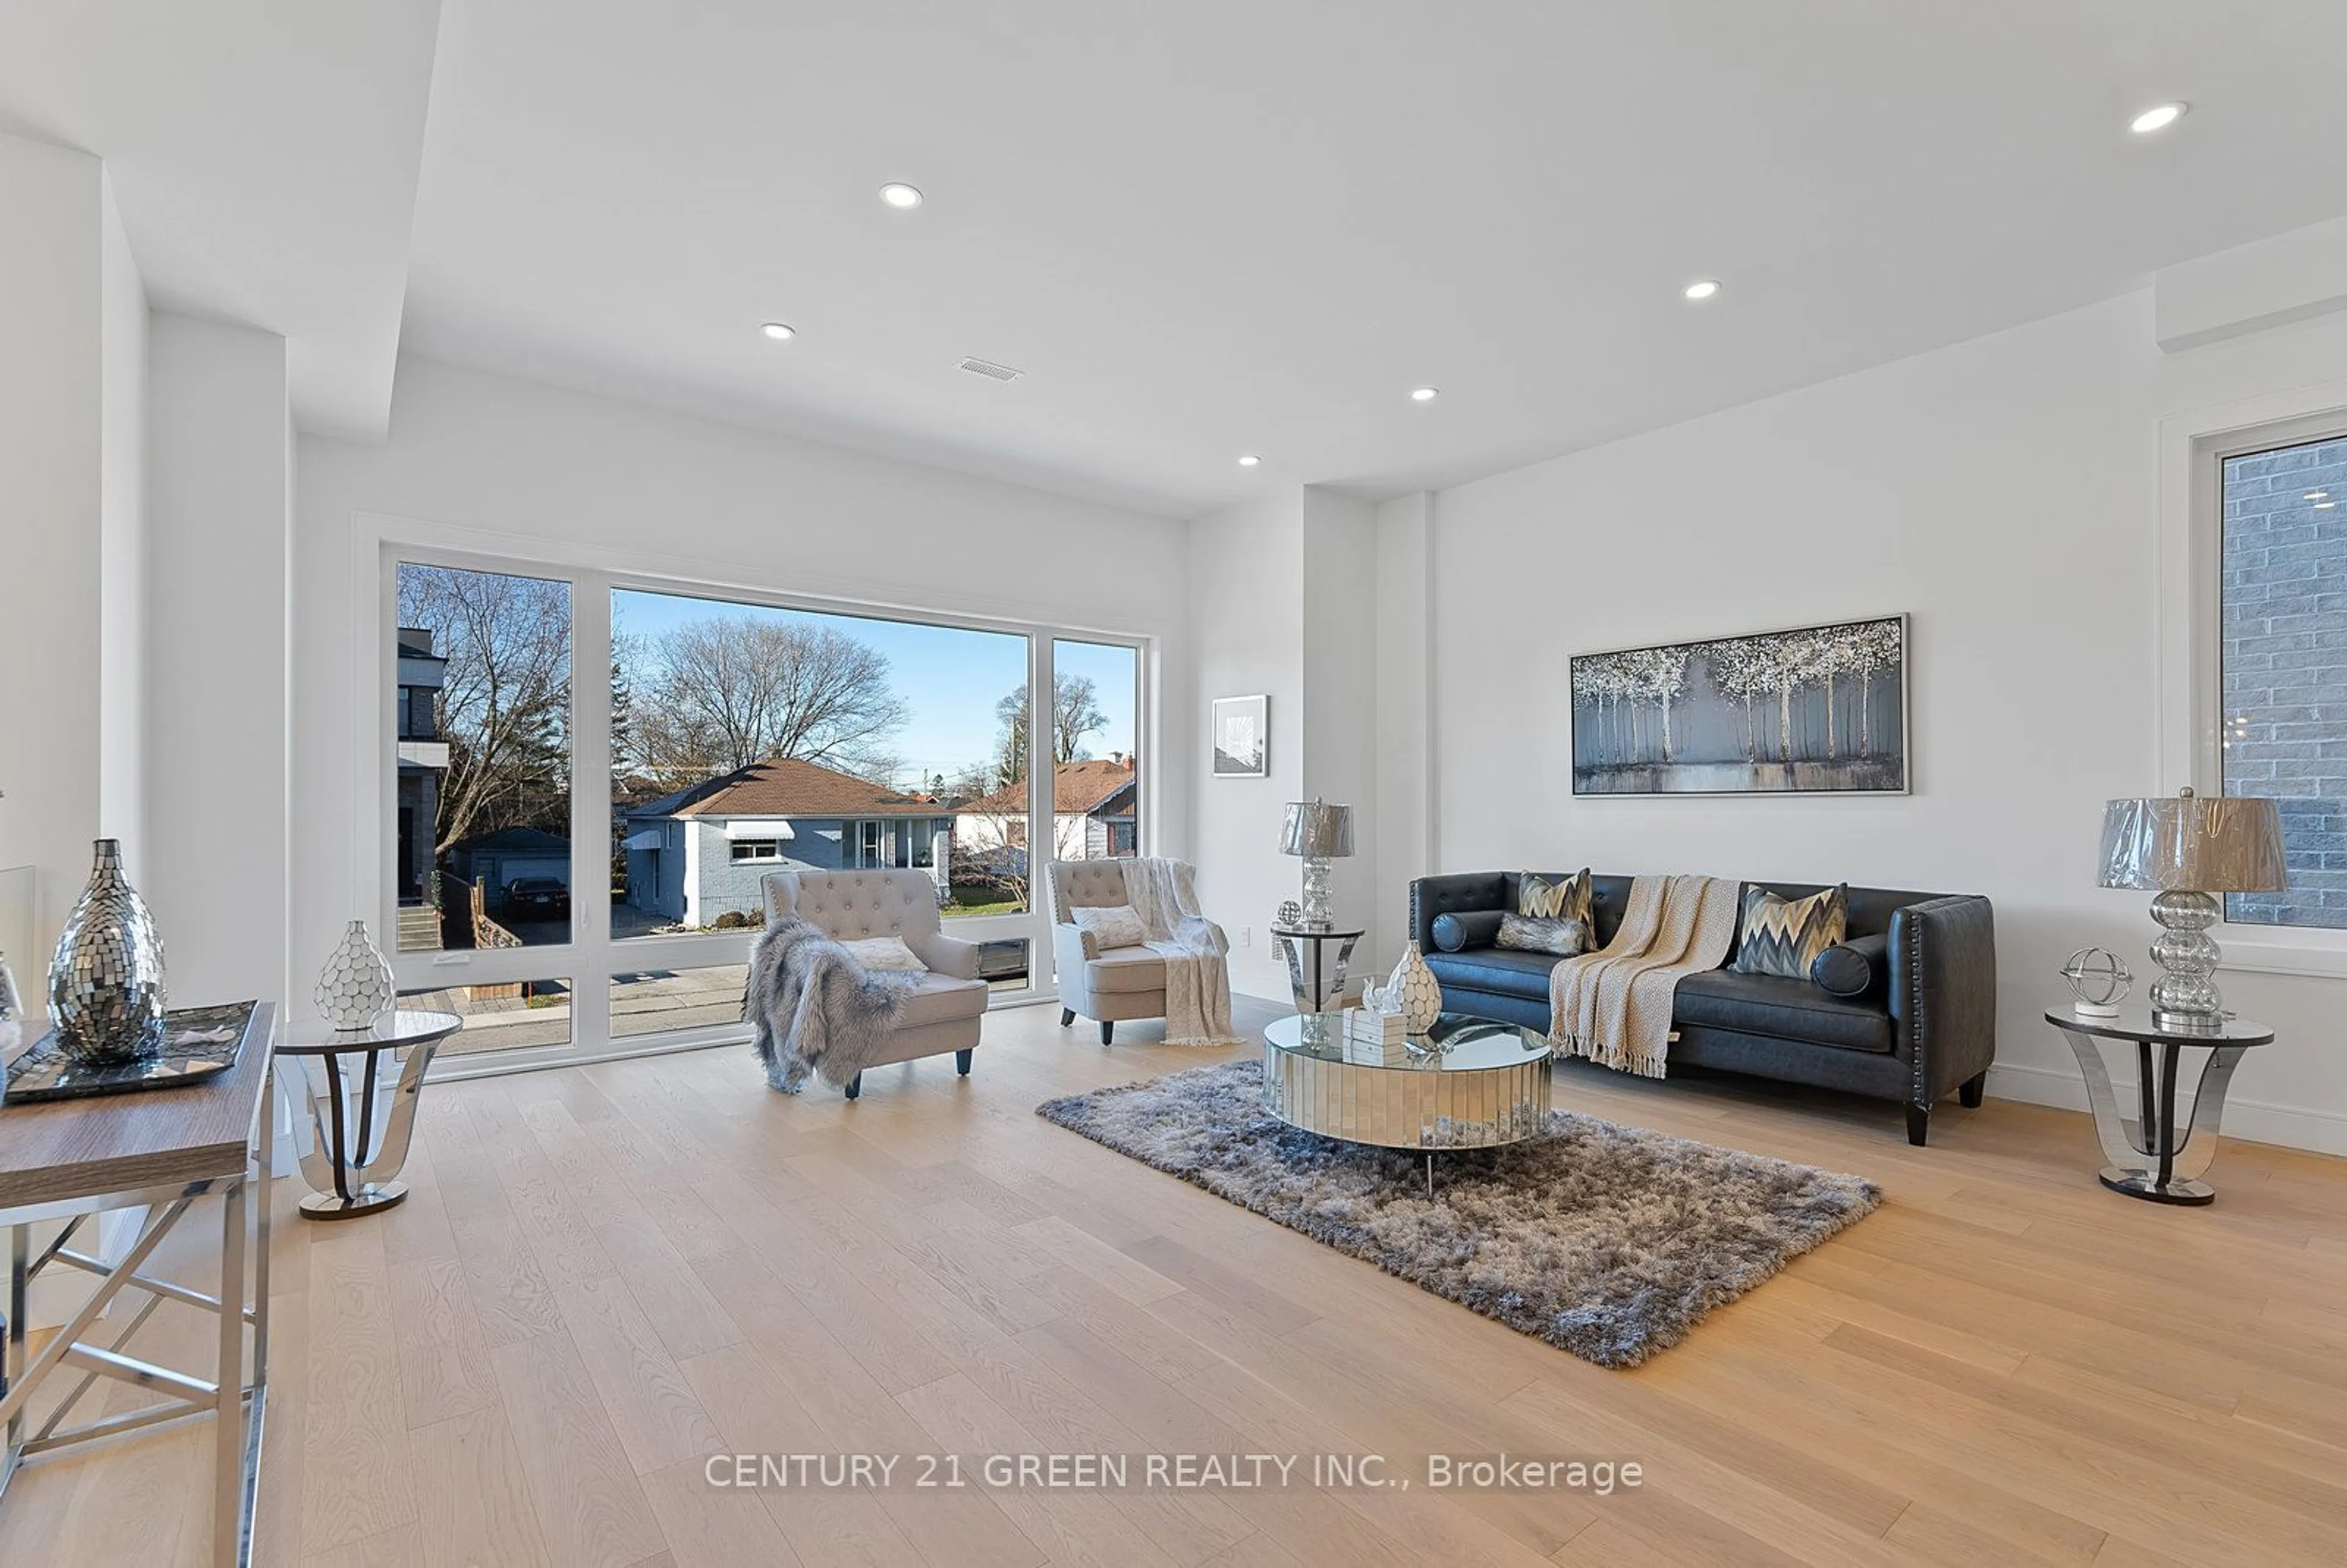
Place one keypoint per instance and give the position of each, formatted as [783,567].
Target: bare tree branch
[505,708]
[721,693]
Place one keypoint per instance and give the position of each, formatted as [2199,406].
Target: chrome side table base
[2160,1152]
[369,1197]
[2147,1185]
[352,1169]
[1327,984]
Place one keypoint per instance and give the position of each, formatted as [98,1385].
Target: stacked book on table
[1374,1039]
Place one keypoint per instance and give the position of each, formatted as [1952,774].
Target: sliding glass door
[722,738]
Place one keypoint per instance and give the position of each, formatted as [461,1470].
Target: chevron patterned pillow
[1539,900]
[1784,935]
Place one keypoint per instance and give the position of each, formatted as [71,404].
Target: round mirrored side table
[353,1162]
[2160,1152]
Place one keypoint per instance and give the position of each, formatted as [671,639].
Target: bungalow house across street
[698,854]
[1094,815]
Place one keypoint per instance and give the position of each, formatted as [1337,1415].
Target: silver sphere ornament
[2098,977]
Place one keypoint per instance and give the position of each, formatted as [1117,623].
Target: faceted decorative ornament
[1413,990]
[106,981]
[2098,979]
[354,988]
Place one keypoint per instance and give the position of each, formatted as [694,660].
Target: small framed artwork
[1820,710]
[1242,737]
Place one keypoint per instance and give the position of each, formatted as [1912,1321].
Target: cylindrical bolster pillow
[1852,968]
[1472,928]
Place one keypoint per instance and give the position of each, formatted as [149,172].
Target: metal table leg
[2151,1155]
[230,1545]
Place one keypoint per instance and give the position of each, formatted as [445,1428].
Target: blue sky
[951,679]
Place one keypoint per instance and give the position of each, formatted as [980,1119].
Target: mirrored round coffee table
[1466,1083]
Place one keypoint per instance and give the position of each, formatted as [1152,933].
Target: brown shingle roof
[1076,788]
[786,786]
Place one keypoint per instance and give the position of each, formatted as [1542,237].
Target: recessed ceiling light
[1424,394]
[903,198]
[1249,460]
[779,332]
[1701,289]
[2157,117]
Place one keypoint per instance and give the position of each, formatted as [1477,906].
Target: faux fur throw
[1614,1005]
[1165,894]
[816,1008]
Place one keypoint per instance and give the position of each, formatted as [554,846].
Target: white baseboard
[2292,1127]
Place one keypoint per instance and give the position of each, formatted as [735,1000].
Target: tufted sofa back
[850,906]
[1087,885]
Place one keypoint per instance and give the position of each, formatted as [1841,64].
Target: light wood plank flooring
[608,1274]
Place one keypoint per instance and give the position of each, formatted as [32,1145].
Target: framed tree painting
[1820,710]
[1241,740]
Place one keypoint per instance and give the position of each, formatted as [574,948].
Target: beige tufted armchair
[1103,984]
[943,1011]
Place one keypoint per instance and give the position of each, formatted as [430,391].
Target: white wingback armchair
[943,1010]
[1104,984]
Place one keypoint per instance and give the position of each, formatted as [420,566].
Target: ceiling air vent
[987,367]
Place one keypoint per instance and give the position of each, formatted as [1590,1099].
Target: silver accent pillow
[1565,939]
[885,953]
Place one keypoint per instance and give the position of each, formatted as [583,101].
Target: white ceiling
[263,155]
[1206,229]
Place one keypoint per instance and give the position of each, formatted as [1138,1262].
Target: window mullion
[591,808]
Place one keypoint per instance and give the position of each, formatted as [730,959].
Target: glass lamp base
[1317,915]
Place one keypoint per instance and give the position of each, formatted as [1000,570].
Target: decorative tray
[198,1043]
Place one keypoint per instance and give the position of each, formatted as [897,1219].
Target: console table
[164,1149]
[2160,1152]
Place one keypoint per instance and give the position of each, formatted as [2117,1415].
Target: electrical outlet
[1247,935]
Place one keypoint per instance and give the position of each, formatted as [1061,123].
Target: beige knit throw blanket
[1614,1005]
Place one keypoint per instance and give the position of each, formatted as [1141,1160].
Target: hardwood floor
[607,1275]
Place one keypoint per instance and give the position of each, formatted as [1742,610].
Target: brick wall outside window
[2285,673]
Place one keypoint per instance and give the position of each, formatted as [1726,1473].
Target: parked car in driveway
[538,897]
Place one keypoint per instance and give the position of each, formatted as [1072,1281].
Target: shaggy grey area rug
[1610,1242]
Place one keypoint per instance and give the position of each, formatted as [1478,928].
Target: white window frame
[2190,702]
[756,851]
[591,957]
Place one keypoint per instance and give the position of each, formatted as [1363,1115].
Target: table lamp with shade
[1319,833]
[2187,848]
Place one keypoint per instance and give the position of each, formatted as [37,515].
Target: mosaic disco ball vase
[105,982]
[2098,977]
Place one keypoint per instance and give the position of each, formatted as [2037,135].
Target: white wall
[124,536]
[517,467]
[1340,602]
[2004,493]
[219,673]
[1404,662]
[1246,627]
[72,317]
[1283,601]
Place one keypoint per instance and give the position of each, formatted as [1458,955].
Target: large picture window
[2283,631]
[740,738]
